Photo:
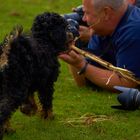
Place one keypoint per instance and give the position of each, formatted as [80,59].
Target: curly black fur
[32,65]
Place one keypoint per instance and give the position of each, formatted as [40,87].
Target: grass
[70,102]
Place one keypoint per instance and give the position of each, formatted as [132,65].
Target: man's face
[92,16]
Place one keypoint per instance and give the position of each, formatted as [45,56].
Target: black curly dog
[29,64]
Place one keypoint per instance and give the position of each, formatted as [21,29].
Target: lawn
[80,113]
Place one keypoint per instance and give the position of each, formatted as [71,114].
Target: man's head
[103,15]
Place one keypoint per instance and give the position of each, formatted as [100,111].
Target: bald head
[114,4]
[103,16]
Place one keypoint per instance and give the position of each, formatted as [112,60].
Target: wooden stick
[123,72]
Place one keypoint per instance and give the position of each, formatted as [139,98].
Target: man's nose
[84,18]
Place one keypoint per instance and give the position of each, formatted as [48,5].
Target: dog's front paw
[7,129]
[28,109]
[1,132]
[47,114]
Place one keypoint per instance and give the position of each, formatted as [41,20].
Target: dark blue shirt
[122,49]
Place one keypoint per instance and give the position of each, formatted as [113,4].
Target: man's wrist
[83,69]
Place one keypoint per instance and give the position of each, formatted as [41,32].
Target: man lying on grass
[116,39]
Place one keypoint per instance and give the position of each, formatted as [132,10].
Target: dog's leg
[1,132]
[7,107]
[7,127]
[46,97]
[29,107]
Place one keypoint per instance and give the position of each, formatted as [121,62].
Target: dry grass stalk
[86,120]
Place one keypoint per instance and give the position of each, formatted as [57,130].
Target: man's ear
[107,13]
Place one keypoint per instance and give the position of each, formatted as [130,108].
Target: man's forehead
[87,4]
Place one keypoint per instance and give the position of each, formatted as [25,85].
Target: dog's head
[51,28]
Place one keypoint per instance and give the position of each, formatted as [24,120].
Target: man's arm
[106,78]
[101,77]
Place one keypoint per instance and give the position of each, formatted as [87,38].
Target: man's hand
[85,33]
[73,59]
